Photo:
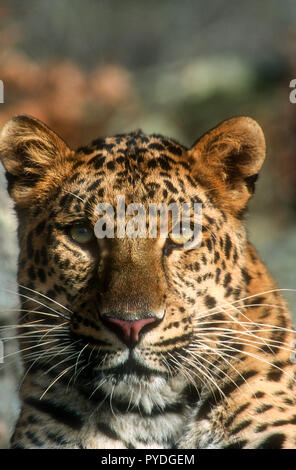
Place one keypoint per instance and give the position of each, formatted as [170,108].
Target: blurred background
[178,68]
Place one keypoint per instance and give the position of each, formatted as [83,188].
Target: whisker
[55,381]
[31,347]
[32,299]
[255,356]
[73,194]
[205,374]
[61,362]
[46,297]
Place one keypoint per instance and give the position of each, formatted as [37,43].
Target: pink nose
[128,331]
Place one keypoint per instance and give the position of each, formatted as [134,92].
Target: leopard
[132,342]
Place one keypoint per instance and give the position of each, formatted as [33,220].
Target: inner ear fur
[227,161]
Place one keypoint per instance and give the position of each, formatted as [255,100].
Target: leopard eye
[181,238]
[81,234]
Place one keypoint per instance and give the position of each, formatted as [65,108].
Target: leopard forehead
[133,161]
[134,144]
[142,168]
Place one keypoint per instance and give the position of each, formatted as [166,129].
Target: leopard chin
[144,390]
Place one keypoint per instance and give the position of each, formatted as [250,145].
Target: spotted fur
[214,370]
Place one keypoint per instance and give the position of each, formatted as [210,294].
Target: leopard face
[129,309]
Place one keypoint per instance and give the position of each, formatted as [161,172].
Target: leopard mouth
[133,367]
[128,363]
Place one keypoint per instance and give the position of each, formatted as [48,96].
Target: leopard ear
[28,148]
[227,161]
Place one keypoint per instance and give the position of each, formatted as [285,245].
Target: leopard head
[129,307]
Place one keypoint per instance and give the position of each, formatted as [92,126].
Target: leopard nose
[130,331]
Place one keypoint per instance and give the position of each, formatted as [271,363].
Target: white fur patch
[155,391]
